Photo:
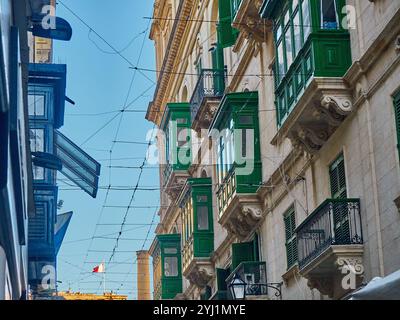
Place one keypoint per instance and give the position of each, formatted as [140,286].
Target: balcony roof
[236,100]
[53,75]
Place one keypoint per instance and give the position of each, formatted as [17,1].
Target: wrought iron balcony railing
[254,274]
[334,222]
[211,84]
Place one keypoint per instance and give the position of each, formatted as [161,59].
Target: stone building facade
[317,84]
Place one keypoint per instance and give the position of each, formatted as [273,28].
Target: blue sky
[99,82]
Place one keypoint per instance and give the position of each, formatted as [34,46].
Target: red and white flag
[99,269]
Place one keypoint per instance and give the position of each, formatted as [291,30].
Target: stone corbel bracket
[243,219]
[318,116]
[200,272]
[249,22]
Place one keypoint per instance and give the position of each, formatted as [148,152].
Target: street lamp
[237,288]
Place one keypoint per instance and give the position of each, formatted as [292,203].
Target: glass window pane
[170,250]
[202,218]
[36,104]
[329,16]
[183,136]
[181,121]
[171,266]
[297,33]
[37,140]
[294,4]
[279,32]
[244,143]
[202,198]
[281,63]
[246,120]
[289,48]
[306,19]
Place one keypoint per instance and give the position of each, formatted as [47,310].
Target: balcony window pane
[183,136]
[289,47]
[246,120]
[306,19]
[171,266]
[36,104]
[202,218]
[279,32]
[329,17]
[170,251]
[297,33]
[244,143]
[37,145]
[281,62]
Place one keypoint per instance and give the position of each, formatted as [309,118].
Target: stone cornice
[175,40]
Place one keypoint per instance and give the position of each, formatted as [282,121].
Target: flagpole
[104,278]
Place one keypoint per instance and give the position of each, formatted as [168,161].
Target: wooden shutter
[226,34]
[242,252]
[222,275]
[291,241]
[337,174]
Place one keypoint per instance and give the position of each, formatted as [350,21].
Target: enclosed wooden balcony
[329,240]
[198,235]
[206,97]
[240,208]
[176,126]
[236,138]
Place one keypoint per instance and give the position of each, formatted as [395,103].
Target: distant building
[87,296]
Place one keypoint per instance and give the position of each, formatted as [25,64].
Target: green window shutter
[222,275]
[397,118]
[337,174]
[226,34]
[242,252]
[291,241]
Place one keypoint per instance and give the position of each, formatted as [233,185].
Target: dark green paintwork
[326,53]
[203,240]
[233,106]
[173,112]
[170,286]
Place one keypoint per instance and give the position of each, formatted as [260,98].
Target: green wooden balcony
[176,125]
[312,56]
[196,210]
[330,238]
[167,271]
[239,166]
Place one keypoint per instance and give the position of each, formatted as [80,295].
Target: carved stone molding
[322,284]
[199,272]
[206,113]
[250,23]
[317,115]
[175,184]
[242,218]
[328,270]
